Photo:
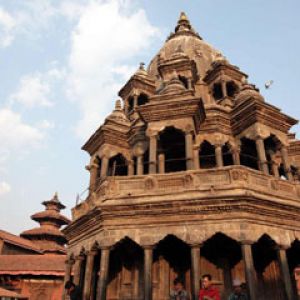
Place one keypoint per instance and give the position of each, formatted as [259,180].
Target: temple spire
[183,23]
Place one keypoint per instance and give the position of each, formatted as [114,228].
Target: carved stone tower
[193,173]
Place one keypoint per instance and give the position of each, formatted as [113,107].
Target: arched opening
[272,145]
[169,264]
[125,278]
[248,155]
[231,89]
[184,81]
[207,156]
[130,104]
[142,99]
[227,155]
[146,161]
[268,273]
[95,274]
[221,257]
[117,166]
[217,91]
[82,270]
[171,144]
[293,254]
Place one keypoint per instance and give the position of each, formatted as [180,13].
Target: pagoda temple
[32,265]
[193,172]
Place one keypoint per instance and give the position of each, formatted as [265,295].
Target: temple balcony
[217,183]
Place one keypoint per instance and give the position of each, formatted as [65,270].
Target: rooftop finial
[183,16]
[183,23]
[118,105]
[55,197]
[142,66]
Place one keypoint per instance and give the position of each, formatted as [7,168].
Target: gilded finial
[183,16]
[55,197]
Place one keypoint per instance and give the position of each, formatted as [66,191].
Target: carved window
[207,156]
[142,99]
[248,154]
[184,81]
[172,145]
[217,91]
[227,155]
[117,166]
[231,89]
[130,104]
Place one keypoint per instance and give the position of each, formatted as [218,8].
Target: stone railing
[215,180]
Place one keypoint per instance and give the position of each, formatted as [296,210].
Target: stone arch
[142,99]
[207,155]
[117,165]
[125,270]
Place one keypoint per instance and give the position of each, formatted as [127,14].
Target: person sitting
[208,291]
[73,290]
[178,292]
[238,293]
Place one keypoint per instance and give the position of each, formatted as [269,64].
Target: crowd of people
[207,292]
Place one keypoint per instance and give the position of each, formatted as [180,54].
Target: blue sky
[62,63]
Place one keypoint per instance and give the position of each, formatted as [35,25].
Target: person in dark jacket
[238,293]
[73,291]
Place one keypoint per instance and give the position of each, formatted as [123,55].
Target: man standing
[238,293]
[208,291]
[178,292]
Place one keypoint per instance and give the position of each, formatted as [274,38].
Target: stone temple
[192,173]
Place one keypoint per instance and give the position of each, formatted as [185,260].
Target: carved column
[130,167]
[88,274]
[140,165]
[195,271]
[249,269]
[77,269]
[161,163]
[227,276]
[152,154]
[104,166]
[260,148]
[236,156]
[135,101]
[196,158]
[275,167]
[219,155]
[285,273]
[286,163]
[148,259]
[189,150]
[224,90]
[68,271]
[93,168]
[103,274]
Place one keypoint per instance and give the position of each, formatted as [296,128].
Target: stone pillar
[249,269]
[103,274]
[77,269]
[148,258]
[152,154]
[189,150]
[93,168]
[88,274]
[140,165]
[227,276]
[104,166]
[236,156]
[224,90]
[195,271]
[285,274]
[161,163]
[260,148]
[286,163]
[275,170]
[196,159]
[130,168]
[219,155]
[135,101]
[68,271]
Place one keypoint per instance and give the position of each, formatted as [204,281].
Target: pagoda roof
[47,264]
[18,241]
[51,215]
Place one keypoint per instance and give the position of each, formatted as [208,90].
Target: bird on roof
[268,84]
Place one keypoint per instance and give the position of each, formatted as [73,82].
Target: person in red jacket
[208,291]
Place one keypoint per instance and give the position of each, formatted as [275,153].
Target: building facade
[192,173]
[32,265]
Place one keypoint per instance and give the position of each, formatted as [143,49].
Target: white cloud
[35,89]
[46,124]
[15,134]
[4,188]
[7,25]
[102,41]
